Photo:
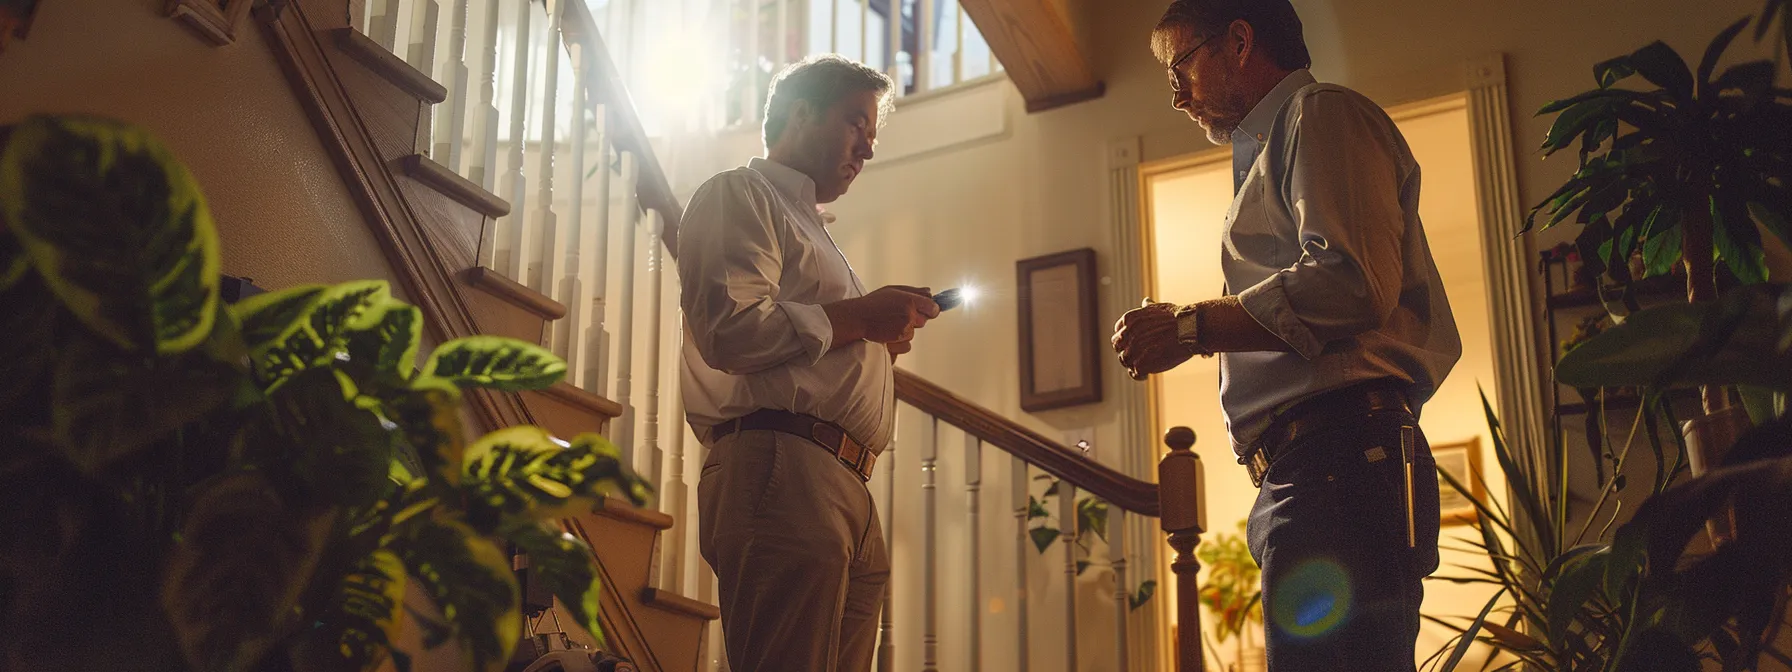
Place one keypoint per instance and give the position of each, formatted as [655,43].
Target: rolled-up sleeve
[729,264]
[1343,185]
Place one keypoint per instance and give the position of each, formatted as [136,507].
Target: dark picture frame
[1060,356]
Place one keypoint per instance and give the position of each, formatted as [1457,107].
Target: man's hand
[1145,337]
[887,315]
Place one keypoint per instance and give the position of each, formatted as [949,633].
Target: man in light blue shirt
[1334,332]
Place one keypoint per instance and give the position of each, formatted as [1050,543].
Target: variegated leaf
[470,579]
[495,362]
[117,228]
[564,564]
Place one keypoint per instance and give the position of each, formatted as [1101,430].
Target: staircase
[422,152]
[495,150]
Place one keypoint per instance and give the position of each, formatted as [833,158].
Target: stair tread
[572,394]
[496,284]
[389,65]
[617,508]
[674,602]
[465,191]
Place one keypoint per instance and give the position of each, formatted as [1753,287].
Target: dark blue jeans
[1341,586]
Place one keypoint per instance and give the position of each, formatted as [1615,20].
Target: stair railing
[537,112]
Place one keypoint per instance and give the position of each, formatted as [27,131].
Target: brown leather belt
[822,433]
[1322,412]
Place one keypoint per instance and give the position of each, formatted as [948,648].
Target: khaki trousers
[794,539]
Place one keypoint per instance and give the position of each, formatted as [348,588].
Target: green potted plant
[1679,174]
[1233,593]
[188,485]
[1651,594]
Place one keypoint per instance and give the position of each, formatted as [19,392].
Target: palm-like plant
[190,485]
[1650,595]
[1681,174]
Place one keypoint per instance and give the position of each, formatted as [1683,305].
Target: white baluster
[451,123]
[650,430]
[958,52]
[923,56]
[625,331]
[425,20]
[886,635]
[1122,589]
[973,485]
[547,264]
[597,349]
[749,98]
[384,27]
[781,35]
[675,492]
[1067,524]
[1022,494]
[893,45]
[833,25]
[930,640]
[566,330]
[864,30]
[514,227]
[485,161]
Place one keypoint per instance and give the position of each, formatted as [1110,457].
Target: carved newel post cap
[1180,438]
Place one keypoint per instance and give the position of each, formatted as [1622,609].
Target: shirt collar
[788,180]
[1257,124]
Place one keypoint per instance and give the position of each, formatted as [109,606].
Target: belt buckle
[1257,465]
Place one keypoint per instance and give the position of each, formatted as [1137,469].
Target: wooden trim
[619,509]
[1100,480]
[388,65]
[679,604]
[426,276]
[465,191]
[214,20]
[1043,103]
[572,395]
[517,293]
[1089,359]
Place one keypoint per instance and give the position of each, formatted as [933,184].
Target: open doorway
[1185,203]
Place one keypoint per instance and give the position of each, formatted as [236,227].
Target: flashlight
[955,297]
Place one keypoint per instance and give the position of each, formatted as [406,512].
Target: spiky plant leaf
[268,317]
[495,362]
[428,413]
[116,227]
[322,332]
[385,340]
[331,447]
[1043,537]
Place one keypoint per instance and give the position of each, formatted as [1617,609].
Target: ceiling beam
[1034,42]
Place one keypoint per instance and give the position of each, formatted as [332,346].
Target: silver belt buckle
[1258,467]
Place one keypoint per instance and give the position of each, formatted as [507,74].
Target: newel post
[1180,493]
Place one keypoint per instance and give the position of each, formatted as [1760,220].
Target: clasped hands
[1146,339]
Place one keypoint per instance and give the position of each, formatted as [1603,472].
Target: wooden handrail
[653,188]
[1054,458]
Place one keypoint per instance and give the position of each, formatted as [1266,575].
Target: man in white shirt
[788,380]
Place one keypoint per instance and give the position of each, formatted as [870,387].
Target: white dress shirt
[757,264]
[1324,247]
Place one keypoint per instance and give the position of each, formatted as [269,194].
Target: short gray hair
[822,79]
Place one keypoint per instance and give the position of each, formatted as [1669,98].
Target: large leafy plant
[1680,174]
[1653,594]
[1091,523]
[187,485]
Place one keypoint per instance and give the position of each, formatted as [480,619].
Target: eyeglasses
[1176,76]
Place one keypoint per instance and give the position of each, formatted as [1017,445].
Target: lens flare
[1311,600]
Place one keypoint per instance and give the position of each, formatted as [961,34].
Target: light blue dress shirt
[1324,248]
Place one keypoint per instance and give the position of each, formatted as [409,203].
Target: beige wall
[1041,186]
[283,213]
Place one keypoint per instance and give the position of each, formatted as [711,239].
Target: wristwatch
[1188,329]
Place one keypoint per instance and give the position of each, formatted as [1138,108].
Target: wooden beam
[1035,44]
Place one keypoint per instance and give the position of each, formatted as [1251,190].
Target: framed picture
[1462,461]
[1059,342]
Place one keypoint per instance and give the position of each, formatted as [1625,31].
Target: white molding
[1124,280]
[1506,257]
